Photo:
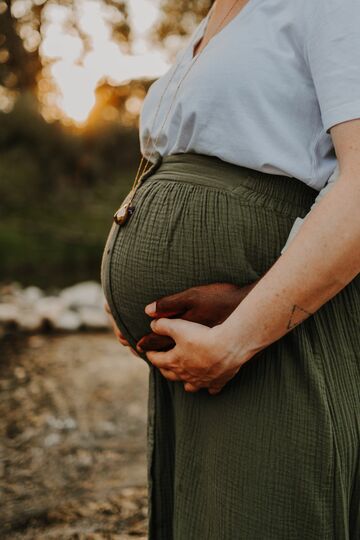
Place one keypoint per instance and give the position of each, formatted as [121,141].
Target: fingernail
[152,324]
[150,309]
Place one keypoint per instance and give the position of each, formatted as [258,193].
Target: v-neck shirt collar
[200,32]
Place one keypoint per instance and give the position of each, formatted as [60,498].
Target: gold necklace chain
[124,212]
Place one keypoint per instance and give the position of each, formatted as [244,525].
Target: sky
[76,75]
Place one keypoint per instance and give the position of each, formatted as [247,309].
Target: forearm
[321,260]
[299,221]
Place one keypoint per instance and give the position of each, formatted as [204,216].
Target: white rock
[93,318]
[88,293]
[69,423]
[52,440]
[84,458]
[29,321]
[67,321]
[10,292]
[107,427]
[9,313]
[54,422]
[76,306]
[32,294]
[50,308]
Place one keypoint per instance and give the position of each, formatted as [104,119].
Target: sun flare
[76,72]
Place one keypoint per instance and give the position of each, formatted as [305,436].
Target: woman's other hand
[116,330]
[201,358]
[208,305]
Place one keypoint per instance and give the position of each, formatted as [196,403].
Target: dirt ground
[73,439]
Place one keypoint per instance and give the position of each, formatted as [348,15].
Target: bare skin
[206,304]
[218,21]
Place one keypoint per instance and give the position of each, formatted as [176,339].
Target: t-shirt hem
[343,113]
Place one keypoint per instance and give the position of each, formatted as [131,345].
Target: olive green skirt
[275,455]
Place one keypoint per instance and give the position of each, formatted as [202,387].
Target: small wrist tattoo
[298,315]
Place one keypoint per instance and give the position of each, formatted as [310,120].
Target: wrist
[229,337]
[225,339]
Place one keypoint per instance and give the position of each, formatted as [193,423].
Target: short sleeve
[332,47]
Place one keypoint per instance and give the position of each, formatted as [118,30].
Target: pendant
[123,214]
[125,211]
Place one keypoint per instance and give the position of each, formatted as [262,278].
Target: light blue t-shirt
[265,90]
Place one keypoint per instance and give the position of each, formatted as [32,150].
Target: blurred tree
[21,29]
[18,65]
[181,16]
[23,26]
[121,30]
[58,190]
[59,186]
[120,104]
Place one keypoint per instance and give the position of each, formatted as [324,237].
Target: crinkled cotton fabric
[275,455]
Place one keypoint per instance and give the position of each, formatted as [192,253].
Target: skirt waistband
[211,171]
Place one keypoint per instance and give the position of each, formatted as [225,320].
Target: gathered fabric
[275,455]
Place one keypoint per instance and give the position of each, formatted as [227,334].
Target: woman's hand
[202,357]
[208,305]
[116,330]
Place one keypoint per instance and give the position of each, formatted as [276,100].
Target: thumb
[170,327]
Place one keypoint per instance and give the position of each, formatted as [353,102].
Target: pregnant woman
[253,348]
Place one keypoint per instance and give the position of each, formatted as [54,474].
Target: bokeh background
[73,76]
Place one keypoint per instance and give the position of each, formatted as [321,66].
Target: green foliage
[58,191]
[23,63]
[21,67]
[59,187]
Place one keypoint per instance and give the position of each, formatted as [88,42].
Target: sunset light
[77,71]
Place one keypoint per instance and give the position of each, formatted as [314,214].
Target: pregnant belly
[180,235]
